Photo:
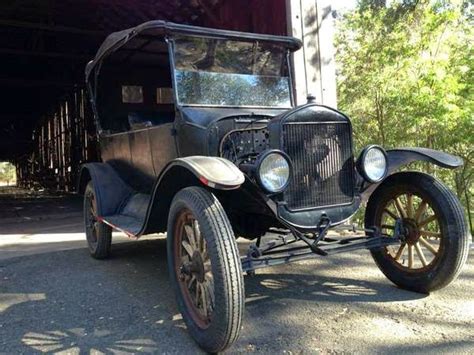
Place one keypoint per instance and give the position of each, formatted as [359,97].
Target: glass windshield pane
[231,73]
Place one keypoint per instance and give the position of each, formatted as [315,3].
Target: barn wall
[314,69]
[258,16]
[63,140]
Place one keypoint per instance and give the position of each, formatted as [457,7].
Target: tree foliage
[7,173]
[405,74]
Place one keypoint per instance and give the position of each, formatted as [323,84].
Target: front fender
[214,172]
[218,173]
[403,156]
[399,157]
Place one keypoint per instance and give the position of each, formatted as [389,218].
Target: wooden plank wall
[63,140]
[258,16]
[66,138]
[312,22]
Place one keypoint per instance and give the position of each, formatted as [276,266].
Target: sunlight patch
[10,299]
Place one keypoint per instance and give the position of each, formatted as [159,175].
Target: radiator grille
[323,167]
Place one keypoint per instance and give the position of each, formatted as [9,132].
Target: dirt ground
[54,298]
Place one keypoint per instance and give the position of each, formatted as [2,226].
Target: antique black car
[200,138]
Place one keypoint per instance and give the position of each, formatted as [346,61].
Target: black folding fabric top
[162,28]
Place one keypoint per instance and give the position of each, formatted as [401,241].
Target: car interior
[134,87]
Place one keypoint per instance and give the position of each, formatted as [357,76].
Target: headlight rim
[360,163]
[261,158]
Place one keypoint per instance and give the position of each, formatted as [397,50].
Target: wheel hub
[195,267]
[412,233]
[198,266]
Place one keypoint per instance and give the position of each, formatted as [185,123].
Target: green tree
[405,74]
[7,173]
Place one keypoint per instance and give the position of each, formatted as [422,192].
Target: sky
[343,4]
[346,4]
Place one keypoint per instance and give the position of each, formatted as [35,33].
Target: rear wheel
[98,234]
[436,240]
[205,269]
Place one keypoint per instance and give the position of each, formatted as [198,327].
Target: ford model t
[200,138]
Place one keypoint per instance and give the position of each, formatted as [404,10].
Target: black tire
[220,325]
[98,234]
[450,237]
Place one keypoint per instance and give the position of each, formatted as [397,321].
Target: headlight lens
[274,172]
[374,164]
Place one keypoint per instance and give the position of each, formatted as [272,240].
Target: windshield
[231,73]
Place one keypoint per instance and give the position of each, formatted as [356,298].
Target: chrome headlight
[273,171]
[372,163]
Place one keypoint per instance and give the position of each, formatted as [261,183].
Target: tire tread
[104,239]
[215,220]
[450,265]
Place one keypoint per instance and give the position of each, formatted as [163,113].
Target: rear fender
[110,190]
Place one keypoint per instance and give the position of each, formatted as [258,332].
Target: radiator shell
[323,164]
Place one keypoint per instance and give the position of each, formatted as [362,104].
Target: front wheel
[205,268]
[436,240]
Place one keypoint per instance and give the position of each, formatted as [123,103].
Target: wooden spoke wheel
[435,238]
[92,224]
[193,265]
[205,268]
[98,234]
[422,231]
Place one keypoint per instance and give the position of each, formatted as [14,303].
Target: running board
[131,217]
[128,225]
[271,257]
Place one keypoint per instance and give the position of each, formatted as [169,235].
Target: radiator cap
[311,98]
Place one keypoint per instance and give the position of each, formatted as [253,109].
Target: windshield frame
[171,52]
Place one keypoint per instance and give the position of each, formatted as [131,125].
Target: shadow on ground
[66,301]
[55,300]
[28,205]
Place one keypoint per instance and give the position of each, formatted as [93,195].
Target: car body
[180,107]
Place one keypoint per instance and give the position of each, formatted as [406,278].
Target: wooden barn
[46,125]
